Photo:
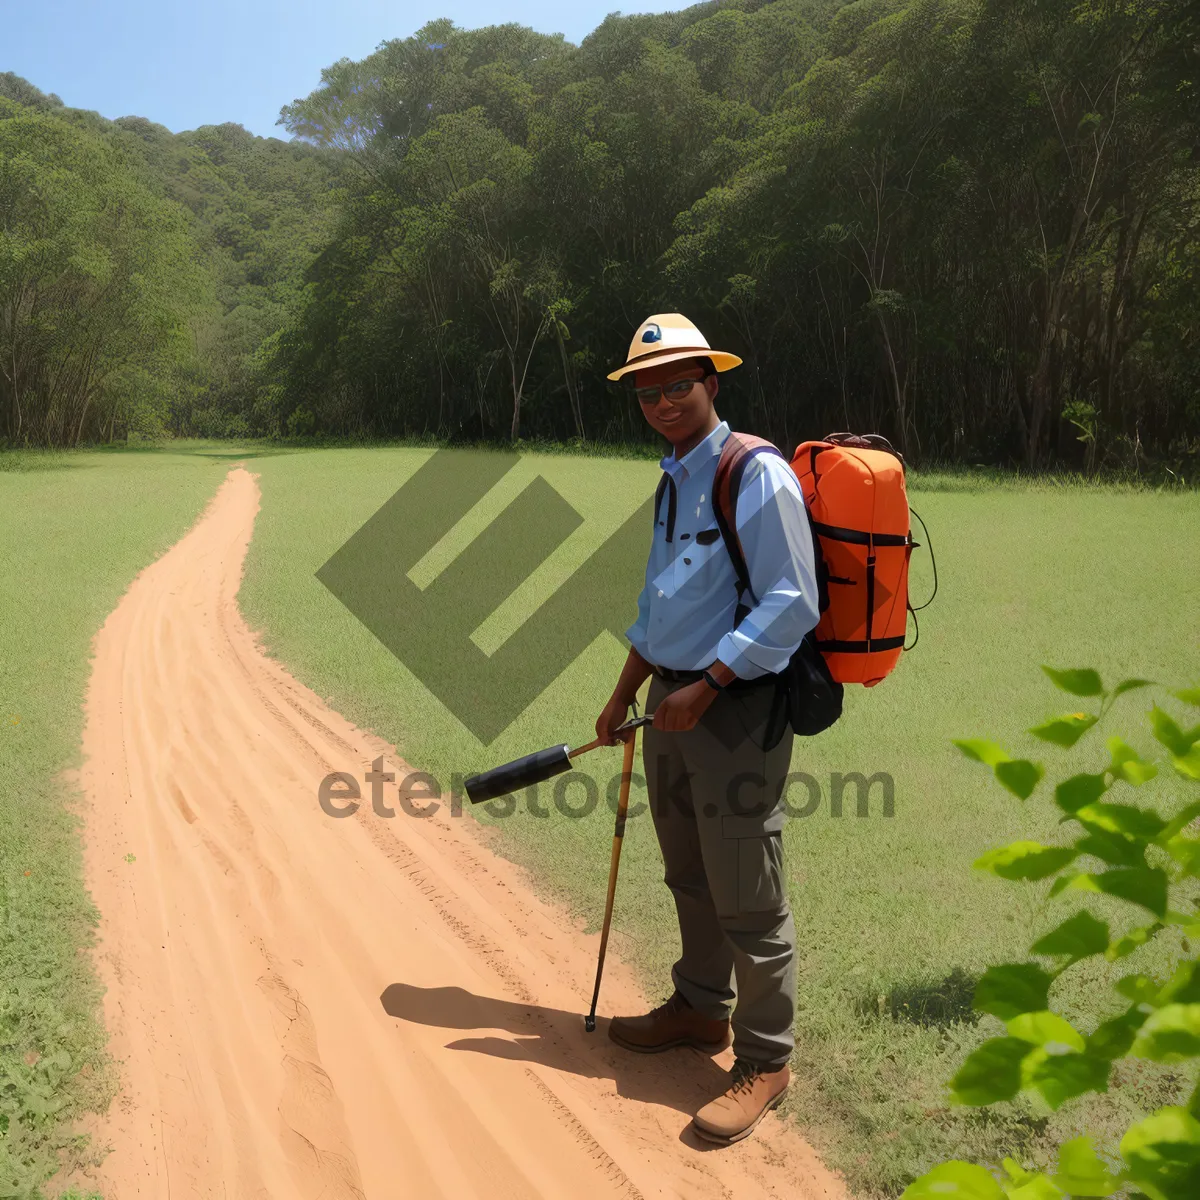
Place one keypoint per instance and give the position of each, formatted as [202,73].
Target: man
[715,787]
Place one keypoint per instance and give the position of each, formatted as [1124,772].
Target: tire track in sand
[308,1008]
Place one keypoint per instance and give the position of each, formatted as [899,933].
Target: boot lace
[743,1075]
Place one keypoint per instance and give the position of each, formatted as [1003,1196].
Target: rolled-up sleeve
[773,528]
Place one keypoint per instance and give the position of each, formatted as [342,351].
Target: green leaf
[991,1072]
[1123,818]
[954,1181]
[1132,941]
[1019,775]
[1184,922]
[1163,1150]
[1113,1038]
[1079,682]
[1063,882]
[1128,685]
[1188,765]
[983,751]
[1184,985]
[1170,1034]
[1180,821]
[1146,886]
[1072,794]
[1036,1187]
[1017,1173]
[1025,860]
[1186,852]
[1188,696]
[1081,1171]
[1077,937]
[1047,1029]
[1128,765]
[1011,989]
[1065,730]
[1062,1077]
[1139,988]
[1169,733]
[1112,848]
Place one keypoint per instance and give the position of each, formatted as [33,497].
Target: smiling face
[684,415]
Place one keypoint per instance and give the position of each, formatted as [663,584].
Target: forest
[970,225]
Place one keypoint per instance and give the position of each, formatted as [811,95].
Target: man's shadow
[682,1079]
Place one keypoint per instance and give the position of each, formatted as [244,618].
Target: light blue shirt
[686,608]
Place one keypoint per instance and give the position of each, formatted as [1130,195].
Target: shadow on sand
[683,1079]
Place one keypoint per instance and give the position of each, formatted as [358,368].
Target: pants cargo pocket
[753,860]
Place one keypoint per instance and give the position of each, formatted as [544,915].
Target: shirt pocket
[700,565]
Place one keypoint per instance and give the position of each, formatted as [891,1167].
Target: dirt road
[309,1007]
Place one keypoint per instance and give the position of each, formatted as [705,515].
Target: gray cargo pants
[715,796]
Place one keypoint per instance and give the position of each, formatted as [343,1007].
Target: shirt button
[660,591]
[687,562]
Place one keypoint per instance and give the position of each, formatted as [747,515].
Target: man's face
[679,411]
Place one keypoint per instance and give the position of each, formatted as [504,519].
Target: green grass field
[893,923]
[74,531]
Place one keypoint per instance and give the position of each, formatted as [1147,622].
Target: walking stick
[589,1022]
[545,764]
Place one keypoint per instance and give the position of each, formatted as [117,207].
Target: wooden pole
[589,1022]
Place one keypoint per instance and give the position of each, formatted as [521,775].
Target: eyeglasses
[677,389]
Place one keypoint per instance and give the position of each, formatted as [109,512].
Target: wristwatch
[710,679]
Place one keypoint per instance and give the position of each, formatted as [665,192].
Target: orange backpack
[853,487]
[858,507]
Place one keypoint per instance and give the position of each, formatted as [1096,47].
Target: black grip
[518,774]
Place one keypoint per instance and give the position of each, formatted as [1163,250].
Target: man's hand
[613,714]
[634,673]
[681,709]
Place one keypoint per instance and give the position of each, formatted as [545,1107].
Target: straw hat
[666,337]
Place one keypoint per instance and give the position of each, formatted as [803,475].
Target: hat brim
[720,360]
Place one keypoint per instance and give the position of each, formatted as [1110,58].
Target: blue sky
[208,61]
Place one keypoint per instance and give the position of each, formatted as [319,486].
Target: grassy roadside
[893,923]
[894,926]
[74,531]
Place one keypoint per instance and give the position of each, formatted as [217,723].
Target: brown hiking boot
[752,1094]
[673,1023]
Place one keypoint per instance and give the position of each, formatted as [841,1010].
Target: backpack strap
[736,454]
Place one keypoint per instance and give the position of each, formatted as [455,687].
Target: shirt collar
[699,455]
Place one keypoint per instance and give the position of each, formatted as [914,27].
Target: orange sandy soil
[309,1007]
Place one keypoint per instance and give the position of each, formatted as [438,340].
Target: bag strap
[863,441]
[737,452]
[933,562]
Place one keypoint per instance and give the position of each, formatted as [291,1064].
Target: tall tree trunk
[899,387]
[570,380]
[516,394]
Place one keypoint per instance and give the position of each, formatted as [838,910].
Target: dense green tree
[968,224]
[962,222]
[96,281]
[144,276]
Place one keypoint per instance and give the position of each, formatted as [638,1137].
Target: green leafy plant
[1084,417]
[1146,861]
